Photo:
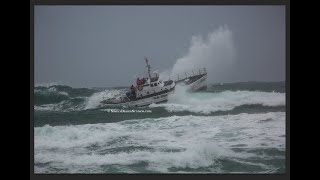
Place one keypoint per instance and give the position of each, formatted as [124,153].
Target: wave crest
[208,102]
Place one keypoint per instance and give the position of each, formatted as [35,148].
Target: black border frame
[286,3]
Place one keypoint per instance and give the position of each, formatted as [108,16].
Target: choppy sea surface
[229,128]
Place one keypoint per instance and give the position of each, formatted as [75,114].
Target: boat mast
[148,66]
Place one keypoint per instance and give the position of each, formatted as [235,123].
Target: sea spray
[216,53]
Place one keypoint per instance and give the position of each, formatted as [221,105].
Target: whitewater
[221,130]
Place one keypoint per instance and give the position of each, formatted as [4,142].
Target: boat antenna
[148,66]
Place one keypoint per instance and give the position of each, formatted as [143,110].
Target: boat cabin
[148,86]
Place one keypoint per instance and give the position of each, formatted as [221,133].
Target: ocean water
[230,128]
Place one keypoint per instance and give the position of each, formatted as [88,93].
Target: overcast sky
[104,46]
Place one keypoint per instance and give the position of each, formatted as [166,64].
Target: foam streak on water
[171,144]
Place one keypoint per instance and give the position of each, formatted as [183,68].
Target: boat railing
[181,77]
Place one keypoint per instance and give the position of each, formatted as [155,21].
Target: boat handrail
[188,75]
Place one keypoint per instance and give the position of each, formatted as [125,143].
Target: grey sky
[104,46]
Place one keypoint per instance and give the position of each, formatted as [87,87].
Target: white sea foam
[49,107]
[207,102]
[63,106]
[94,100]
[176,141]
[51,90]
[48,84]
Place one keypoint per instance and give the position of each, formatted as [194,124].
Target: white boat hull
[200,84]
[143,102]
[150,100]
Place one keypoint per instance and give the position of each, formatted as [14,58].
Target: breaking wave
[208,102]
[94,100]
[60,97]
[171,144]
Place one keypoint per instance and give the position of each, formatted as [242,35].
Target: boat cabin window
[155,84]
[151,85]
